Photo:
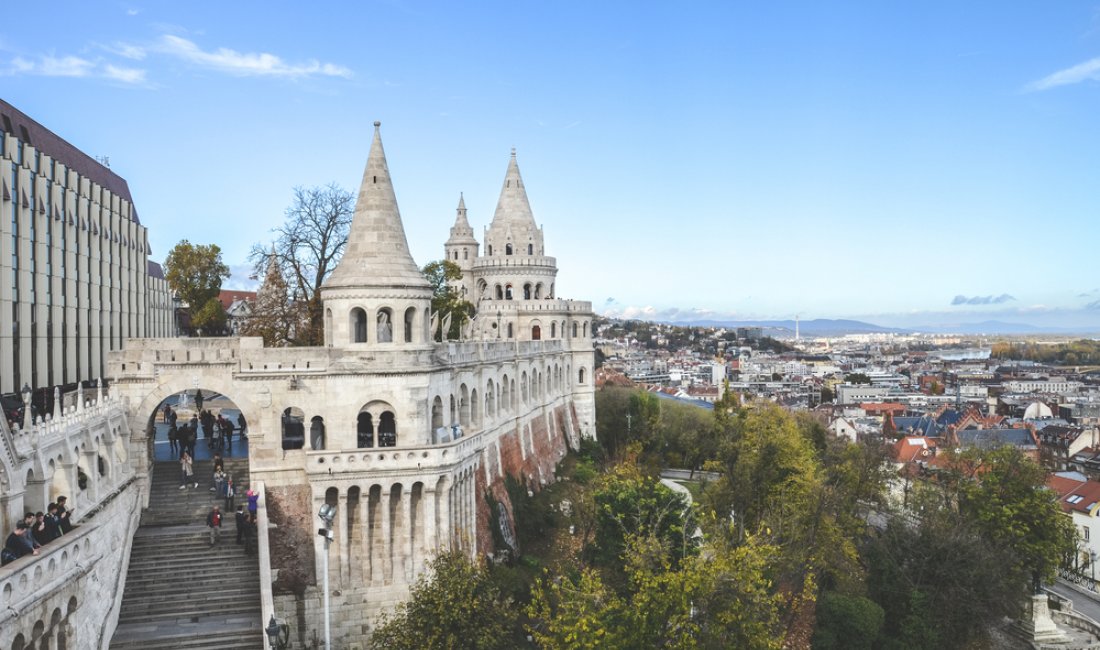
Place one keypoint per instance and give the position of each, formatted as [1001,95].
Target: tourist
[229,493]
[172,416]
[219,481]
[187,470]
[64,514]
[250,535]
[17,545]
[41,535]
[253,502]
[166,413]
[214,523]
[173,438]
[198,400]
[242,425]
[53,522]
[242,521]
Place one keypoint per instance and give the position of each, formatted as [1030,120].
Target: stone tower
[462,248]
[376,295]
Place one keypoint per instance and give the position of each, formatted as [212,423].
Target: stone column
[366,560]
[430,507]
[377,567]
[343,539]
[410,533]
[386,545]
[445,537]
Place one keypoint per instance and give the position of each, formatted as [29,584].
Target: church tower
[376,295]
[461,248]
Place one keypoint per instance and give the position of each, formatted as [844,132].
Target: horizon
[899,166]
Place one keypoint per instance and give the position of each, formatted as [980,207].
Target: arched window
[328,326]
[584,329]
[580,376]
[437,413]
[510,333]
[554,330]
[465,254]
[365,430]
[506,395]
[387,430]
[523,387]
[574,329]
[358,326]
[536,333]
[512,393]
[490,400]
[294,430]
[410,316]
[384,333]
[530,249]
[317,433]
[453,412]
[500,293]
[507,292]
[508,249]
[475,408]
[538,291]
[527,291]
[490,249]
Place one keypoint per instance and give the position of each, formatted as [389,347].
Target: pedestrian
[187,470]
[17,545]
[198,400]
[173,440]
[242,425]
[253,502]
[64,514]
[191,435]
[172,416]
[219,481]
[230,492]
[41,535]
[53,522]
[250,535]
[242,521]
[214,522]
[165,412]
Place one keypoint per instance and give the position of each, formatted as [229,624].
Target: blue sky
[935,163]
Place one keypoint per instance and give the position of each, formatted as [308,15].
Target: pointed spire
[377,252]
[513,207]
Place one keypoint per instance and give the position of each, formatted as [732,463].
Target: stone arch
[387,429]
[499,292]
[536,333]
[575,326]
[364,429]
[538,291]
[506,394]
[463,405]
[410,320]
[584,329]
[527,291]
[293,428]
[508,291]
[553,329]
[437,413]
[357,324]
[580,376]
[490,400]
[475,408]
[482,289]
[317,433]
[507,249]
[530,249]
[512,402]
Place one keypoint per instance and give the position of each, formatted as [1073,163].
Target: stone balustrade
[396,459]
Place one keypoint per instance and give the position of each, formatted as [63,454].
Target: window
[358,326]
[508,249]
[1085,532]
[530,249]
[1076,498]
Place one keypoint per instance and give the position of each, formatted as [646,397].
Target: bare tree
[307,248]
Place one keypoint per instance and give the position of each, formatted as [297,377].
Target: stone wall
[69,595]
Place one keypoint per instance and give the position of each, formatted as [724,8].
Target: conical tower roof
[513,209]
[461,232]
[377,254]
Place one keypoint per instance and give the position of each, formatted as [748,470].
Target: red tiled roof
[227,297]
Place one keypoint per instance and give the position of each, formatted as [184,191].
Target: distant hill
[840,327]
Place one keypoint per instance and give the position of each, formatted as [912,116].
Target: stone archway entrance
[214,419]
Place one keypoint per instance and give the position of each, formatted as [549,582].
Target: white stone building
[409,437]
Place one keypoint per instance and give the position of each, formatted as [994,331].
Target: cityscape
[779,331]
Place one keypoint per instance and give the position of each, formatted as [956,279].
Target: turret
[376,295]
[461,248]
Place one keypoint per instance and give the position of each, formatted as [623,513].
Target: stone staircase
[180,593]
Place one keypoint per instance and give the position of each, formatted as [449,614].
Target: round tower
[462,249]
[376,295]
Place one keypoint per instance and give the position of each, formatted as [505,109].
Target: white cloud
[50,66]
[126,50]
[247,64]
[1089,70]
[125,75]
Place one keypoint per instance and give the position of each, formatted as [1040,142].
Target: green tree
[195,272]
[857,378]
[211,319]
[307,248]
[445,299]
[454,605]
[847,622]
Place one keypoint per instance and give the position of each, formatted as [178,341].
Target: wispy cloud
[125,50]
[51,66]
[982,300]
[1095,304]
[125,75]
[1087,71]
[247,64]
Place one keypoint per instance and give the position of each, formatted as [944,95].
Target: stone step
[223,634]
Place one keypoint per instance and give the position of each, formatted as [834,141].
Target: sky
[904,164]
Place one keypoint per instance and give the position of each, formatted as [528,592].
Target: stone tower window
[580,376]
[465,254]
[508,249]
[384,333]
[293,427]
[527,291]
[410,316]
[317,433]
[554,330]
[490,249]
[536,333]
[365,430]
[358,326]
[437,413]
[387,430]
[530,249]
[508,292]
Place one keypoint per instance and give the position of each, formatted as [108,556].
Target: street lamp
[278,634]
[327,513]
[27,418]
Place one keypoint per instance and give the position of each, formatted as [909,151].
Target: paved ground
[1083,603]
[215,404]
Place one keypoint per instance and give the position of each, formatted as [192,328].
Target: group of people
[217,430]
[246,523]
[37,529]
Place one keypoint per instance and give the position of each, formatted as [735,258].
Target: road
[1081,603]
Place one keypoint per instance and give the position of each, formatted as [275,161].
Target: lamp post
[327,513]
[277,634]
[27,417]
[1092,564]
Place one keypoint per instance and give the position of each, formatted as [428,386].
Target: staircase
[180,593]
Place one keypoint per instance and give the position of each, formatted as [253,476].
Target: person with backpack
[173,440]
[214,523]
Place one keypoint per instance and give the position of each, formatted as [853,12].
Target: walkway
[180,592]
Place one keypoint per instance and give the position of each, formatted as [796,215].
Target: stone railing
[395,459]
[72,589]
[267,576]
[49,430]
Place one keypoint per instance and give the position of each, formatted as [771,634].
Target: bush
[847,622]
